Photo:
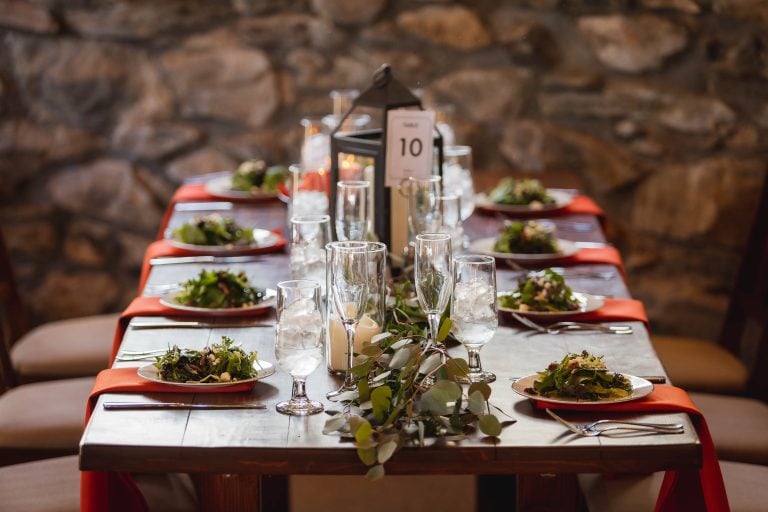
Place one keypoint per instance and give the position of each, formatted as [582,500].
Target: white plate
[262,239]
[263,369]
[562,199]
[587,303]
[222,187]
[640,388]
[485,246]
[170,301]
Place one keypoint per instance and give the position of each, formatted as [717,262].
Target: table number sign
[410,146]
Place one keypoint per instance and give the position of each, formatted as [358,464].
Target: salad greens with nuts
[254,176]
[541,291]
[581,376]
[220,362]
[520,192]
[219,289]
[212,230]
[529,237]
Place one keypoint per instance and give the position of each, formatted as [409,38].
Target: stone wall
[659,106]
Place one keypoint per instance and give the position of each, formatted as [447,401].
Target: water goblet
[432,274]
[423,211]
[299,341]
[349,290]
[449,206]
[309,236]
[474,310]
[457,177]
[352,215]
[309,189]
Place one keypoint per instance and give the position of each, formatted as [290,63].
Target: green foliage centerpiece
[407,390]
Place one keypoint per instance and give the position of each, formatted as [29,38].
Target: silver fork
[591,430]
[561,327]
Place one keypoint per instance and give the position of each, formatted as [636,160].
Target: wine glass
[352,215]
[457,177]
[349,290]
[449,206]
[432,273]
[309,235]
[474,309]
[423,211]
[299,340]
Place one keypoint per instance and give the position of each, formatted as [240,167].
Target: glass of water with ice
[309,236]
[299,340]
[474,309]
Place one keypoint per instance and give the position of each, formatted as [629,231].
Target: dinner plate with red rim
[221,186]
[262,239]
[263,370]
[561,197]
[566,248]
[587,304]
[170,300]
[640,388]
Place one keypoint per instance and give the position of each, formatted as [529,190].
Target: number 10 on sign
[410,142]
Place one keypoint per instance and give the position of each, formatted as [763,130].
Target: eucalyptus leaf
[344,396]
[431,363]
[371,351]
[367,455]
[363,390]
[401,358]
[376,338]
[382,376]
[381,398]
[334,424]
[456,367]
[385,451]
[489,425]
[400,343]
[476,403]
[375,473]
[445,391]
[482,387]
[445,329]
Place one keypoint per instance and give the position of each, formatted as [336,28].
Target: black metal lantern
[362,155]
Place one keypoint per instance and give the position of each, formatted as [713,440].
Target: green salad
[520,192]
[541,291]
[217,289]
[212,230]
[529,237]
[221,362]
[581,376]
[254,176]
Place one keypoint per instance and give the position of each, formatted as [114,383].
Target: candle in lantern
[366,329]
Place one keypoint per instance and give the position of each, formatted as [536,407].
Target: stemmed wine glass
[423,208]
[352,215]
[349,289]
[299,340]
[432,273]
[474,309]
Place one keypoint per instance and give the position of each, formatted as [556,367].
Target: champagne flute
[299,341]
[309,235]
[474,310]
[349,289]
[432,273]
[352,215]
[423,208]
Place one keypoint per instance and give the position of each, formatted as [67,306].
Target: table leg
[228,493]
[548,493]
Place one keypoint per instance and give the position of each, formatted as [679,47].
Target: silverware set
[564,327]
[123,406]
[618,427]
[178,260]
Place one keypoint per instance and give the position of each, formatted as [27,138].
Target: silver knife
[124,406]
[198,207]
[168,325]
[202,259]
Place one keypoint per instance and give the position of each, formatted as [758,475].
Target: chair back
[745,330]
[13,318]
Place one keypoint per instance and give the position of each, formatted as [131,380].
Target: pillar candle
[366,329]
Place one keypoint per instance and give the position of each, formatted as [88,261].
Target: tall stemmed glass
[299,340]
[432,273]
[423,207]
[474,309]
[352,215]
[349,289]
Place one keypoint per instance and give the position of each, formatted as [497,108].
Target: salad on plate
[218,289]
[212,230]
[218,363]
[520,192]
[530,237]
[542,291]
[582,376]
[254,176]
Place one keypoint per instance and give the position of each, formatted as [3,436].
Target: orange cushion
[700,365]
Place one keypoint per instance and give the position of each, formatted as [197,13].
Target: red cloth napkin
[163,247]
[682,490]
[613,310]
[579,205]
[117,492]
[151,306]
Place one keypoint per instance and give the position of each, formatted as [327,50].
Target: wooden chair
[63,349]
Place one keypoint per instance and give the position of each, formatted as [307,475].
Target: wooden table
[250,443]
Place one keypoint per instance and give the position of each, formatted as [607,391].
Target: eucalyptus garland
[407,390]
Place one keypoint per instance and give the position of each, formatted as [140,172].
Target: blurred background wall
[659,107]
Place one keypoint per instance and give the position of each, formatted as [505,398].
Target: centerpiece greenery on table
[407,390]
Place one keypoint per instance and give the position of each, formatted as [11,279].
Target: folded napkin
[682,490]
[116,491]
[607,254]
[151,306]
[615,310]
[579,205]
[161,248]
